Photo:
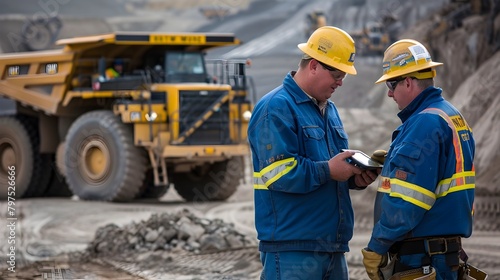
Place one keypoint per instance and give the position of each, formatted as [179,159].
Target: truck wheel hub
[95,161]
[7,156]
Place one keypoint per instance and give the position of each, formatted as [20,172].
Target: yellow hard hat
[407,58]
[333,47]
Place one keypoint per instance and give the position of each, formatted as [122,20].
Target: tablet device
[363,160]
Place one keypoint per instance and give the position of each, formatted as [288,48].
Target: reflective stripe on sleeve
[423,197]
[412,193]
[273,172]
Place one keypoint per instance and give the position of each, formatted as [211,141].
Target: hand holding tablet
[363,160]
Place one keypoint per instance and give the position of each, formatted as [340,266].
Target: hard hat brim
[330,62]
[395,74]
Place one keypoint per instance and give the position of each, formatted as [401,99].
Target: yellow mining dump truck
[372,40]
[169,118]
[314,20]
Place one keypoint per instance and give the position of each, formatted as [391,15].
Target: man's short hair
[305,60]
[425,83]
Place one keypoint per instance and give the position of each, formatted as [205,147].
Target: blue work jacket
[297,205]
[428,180]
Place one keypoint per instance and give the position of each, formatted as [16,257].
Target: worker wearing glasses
[303,212]
[423,206]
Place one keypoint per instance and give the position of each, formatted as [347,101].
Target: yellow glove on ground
[379,156]
[373,262]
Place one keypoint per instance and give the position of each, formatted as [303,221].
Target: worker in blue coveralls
[424,202]
[303,212]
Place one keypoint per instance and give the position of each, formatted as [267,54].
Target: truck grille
[214,130]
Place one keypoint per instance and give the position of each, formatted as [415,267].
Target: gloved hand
[373,262]
[379,156]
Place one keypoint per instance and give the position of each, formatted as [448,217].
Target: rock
[101,247]
[151,236]
[234,241]
[213,242]
[132,240]
[188,229]
[144,256]
[169,234]
[165,232]
[194,245]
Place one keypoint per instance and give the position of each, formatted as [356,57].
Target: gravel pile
[179,232]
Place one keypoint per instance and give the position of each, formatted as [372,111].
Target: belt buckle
[439,240]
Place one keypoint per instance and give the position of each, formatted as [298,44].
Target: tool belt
[414,274]
[467,271]
[450,246]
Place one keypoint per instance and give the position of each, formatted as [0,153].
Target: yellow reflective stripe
[458,182]
[423,197]
[457,144]
[412,193]
[461,180]
[273,172]
[260,187]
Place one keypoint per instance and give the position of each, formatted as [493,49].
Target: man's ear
[313,65]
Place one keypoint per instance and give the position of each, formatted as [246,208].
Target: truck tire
[57,186]
[101,161]
[40,34]
[216,183]
[19,147]
[37,188]
[59,157]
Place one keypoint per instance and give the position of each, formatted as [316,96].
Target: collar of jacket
[298,94]
[423,100]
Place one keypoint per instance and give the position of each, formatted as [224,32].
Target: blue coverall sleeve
[276,153]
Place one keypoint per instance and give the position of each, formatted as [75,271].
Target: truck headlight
[247,115]
[151,117]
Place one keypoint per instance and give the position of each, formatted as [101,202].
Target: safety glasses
[392,84]
[336,74]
